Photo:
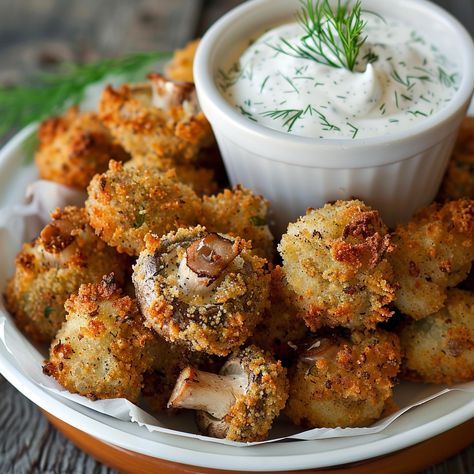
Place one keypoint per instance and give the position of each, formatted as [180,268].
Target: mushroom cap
[176,131]
[254,410]
[101,351]
[47,271]
[440,348]
[215,321]
[335,261]
[127,202]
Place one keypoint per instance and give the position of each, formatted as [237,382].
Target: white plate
[422,423]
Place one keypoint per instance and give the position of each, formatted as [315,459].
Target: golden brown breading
[339,382]
[202,180]
[440,347]
[434,251]
[74,147]
[458,181]
[280,325]
[101,350]
[180,68]
[159,120]
[126,203]
[335,260]
[200,289]
[66,254]
[240,212]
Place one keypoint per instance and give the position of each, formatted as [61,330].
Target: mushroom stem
[212,393]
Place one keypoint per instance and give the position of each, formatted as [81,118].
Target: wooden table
[36,35]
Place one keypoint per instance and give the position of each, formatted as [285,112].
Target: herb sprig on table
[333,36]
[51,93]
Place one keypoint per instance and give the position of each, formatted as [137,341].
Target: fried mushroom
[126,203]
[335,261]
[160,119]
[74,147]
[204,290]
[66,254]
[434,251]
[343,381]
[101,350]
[241,402]
[240,212]
[440,348]
[458,182]
[180,68]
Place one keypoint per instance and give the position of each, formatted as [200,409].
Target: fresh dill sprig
[51,93]
[290,116]
[333,37]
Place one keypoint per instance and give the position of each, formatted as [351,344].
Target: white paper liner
[22,223]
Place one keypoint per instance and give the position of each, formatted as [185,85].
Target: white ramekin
[396,173]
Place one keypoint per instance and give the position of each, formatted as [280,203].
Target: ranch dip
[400,78]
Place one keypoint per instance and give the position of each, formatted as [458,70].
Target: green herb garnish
[333,37]
[51,93]
[257,221]
[139,219]
[47,311]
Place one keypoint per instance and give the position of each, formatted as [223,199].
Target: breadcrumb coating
[335,261]
[240,212]
[458,182]
[201,180]
[343,382]
[434,251]
[440,348]
[251,417]
[126,203]
[66,254]
[74,147]
[280,326]
[101,350]
[213,315]
[180,68]
[172,129]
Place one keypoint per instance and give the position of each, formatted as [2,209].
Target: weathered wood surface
[37,34]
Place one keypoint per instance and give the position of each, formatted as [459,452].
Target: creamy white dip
[401,77]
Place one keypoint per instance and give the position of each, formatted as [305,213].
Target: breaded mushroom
[440,347]
[161,119]
[201,179]
[434,251]
[343,382]
[241,402]
[126,203]
[203,290]
[335,261]
[101,350]
[280,326]
[66,254]
[240,212]
[458,182]
[74,147]
[180,68]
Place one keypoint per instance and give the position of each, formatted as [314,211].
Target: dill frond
[51,93]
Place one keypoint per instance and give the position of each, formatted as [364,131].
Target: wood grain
[38,34]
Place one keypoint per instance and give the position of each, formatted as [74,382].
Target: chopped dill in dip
[289,81]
